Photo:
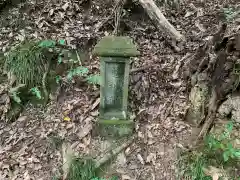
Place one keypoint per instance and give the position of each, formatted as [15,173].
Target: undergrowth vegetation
[30,70]
[27,63]
[30,65]
[216,157]
[84,169]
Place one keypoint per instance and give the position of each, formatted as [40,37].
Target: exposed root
[211,70]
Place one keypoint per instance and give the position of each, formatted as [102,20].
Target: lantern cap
[116,46]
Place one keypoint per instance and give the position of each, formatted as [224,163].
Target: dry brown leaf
[121,159]
[189,13]
[151,158]
[85,130]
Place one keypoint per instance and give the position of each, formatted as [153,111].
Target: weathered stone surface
[116,46]
[231,105]
[115,53]
[114,88]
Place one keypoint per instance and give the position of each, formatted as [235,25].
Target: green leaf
[94,79]
[47,44]
[60,59]
[58,79]
[35,91]
[62,41]
[237,154]
[79,71]
[226,156]
[229,126]
[230,146]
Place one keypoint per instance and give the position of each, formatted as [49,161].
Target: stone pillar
[115,53]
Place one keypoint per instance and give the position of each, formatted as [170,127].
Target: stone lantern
[115,53]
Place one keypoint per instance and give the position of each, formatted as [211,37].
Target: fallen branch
[159,19]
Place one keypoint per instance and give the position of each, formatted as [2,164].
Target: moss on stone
[116,46]
[115,128]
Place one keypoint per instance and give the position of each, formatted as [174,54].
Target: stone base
[115,128]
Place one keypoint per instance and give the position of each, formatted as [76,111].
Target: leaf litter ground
[158,94]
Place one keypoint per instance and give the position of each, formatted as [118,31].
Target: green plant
[30,63]
[58,79]
[191,165]
[111,178]
[78,71]
[85,170]
[224,144]
[15,93]
[27,62]
[82,72]
[81,169]
[94,79]
[217,150]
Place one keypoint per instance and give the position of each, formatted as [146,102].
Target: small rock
[231,105]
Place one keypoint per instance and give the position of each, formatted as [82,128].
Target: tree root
[211,66]
[212,109]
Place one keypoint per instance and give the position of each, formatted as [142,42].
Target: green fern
[47,44]
[79,71]
[27,62]
[94,79]
[81,169]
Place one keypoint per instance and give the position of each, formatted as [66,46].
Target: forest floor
[158,95]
